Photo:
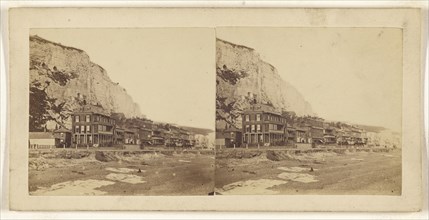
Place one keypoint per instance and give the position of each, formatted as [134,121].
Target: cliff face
[241,71]
[63,78]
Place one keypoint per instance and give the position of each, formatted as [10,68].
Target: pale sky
[346,74]
[169,72]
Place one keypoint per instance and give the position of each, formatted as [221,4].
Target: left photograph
[121,111]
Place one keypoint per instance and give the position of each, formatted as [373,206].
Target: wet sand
[359,173]
[172,173]
[155,174]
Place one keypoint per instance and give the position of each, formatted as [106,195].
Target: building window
[82,129]
[247,118]
[88,129]
[253,128]
[258,128]
[247,128]
[76,129]
[88,118]
[258,117]
[76,118]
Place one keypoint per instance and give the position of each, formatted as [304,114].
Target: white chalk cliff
[68,77]
[241,71]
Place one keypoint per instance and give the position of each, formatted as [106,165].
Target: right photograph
[314,111]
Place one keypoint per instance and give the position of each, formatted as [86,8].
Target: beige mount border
[409,20]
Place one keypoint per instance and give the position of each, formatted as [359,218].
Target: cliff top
[42,40]
[247,48]
[235,45]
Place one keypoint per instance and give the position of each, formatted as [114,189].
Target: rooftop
[41,135]
[262,108]
[63,130]
[98,109]
[232,129]
[119,128]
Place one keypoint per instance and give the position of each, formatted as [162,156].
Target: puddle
[298,177]
[251,187]
[184,161]
[126,178]
[74,188]
[387,155]
[122,170]
[295,169]
[356,159]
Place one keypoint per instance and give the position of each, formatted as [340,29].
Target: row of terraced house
[263,125]
[92,126]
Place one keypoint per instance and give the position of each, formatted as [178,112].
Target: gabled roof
[41,135]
